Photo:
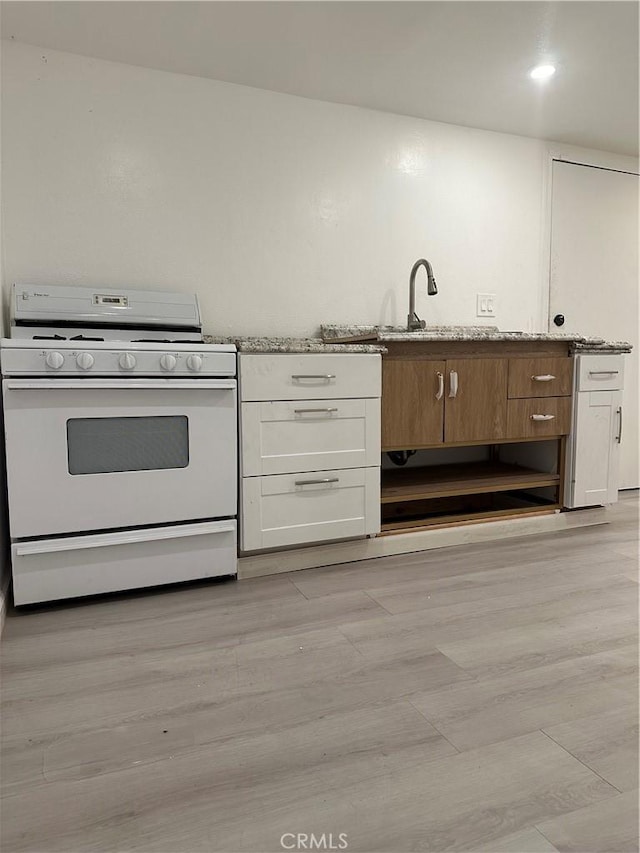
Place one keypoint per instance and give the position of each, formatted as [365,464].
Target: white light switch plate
[486,305]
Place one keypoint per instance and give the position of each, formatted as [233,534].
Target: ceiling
[460,62]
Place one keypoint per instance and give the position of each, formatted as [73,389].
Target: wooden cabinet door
[476,410]
[412,414]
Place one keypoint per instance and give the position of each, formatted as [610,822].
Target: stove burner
[49,338]
[84,338]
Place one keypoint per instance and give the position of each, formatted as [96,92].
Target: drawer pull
[317,482]
[326,377]
[440,393]
[326,411]
[603,372]
[542,417]
[545,377]
[453,383]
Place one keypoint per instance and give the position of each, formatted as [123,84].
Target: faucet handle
[414,323]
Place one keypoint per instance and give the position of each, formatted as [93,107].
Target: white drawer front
[600,372]
[50,569]
[309,376]
[309,435]
[294,509]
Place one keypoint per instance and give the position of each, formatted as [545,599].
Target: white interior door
[594,274]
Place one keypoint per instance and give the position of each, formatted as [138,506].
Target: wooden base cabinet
[470,400]
[443,395]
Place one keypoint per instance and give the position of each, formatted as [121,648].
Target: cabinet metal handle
[545,377]
[440,393]
[325,376]
[326,411]
[453,383]
[619,435]
[603,372]
[317,482]
[542,417]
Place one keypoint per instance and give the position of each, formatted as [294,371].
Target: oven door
[85,454]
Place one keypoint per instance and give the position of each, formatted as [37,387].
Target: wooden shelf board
[470,478]
[391,527]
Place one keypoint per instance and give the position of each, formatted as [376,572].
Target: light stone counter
[294,345]
[389,334]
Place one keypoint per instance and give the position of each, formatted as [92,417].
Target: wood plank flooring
[478,698]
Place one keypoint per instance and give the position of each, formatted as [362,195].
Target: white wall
[281,212]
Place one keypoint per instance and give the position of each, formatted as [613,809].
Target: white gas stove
[120,430]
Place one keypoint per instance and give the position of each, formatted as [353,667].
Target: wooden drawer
[540,377]
[309,376]
[538,416]
[600,372]
[309,435]
[295,509]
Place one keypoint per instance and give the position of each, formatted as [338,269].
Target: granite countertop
[294,345]
[371,339]
[382,334]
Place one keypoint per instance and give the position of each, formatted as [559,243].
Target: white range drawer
[294,509]
[309,376]
[600,372]
[309,435]
[50,569]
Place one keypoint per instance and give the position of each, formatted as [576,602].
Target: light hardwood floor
[479,698]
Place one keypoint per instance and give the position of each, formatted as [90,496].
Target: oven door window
[110,445]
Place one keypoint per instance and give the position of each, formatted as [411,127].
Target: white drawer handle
[453,383]
[545,377]
[603,372]
[440,393]
[318,482]
[325,411]
[326,377]
[542,417]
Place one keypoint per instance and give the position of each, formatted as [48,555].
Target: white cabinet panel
[294,509]
[600,372]
[595,451]
[309,435]
[308,376]
[51,569]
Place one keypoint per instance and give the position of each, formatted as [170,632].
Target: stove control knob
[194,363]
[55,360]
[85,361]
[127,361]
[168,362]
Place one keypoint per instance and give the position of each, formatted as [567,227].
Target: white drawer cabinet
[600,372]
[593,460]
[309,435]
[310,448]
[309,376]
[294,509]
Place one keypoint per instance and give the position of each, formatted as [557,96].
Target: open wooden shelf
[388,528]
[470,478]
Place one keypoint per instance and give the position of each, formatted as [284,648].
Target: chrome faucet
[414,323]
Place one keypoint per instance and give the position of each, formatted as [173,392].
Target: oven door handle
[120,384]
[125,537]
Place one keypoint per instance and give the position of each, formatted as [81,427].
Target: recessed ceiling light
[542,72]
